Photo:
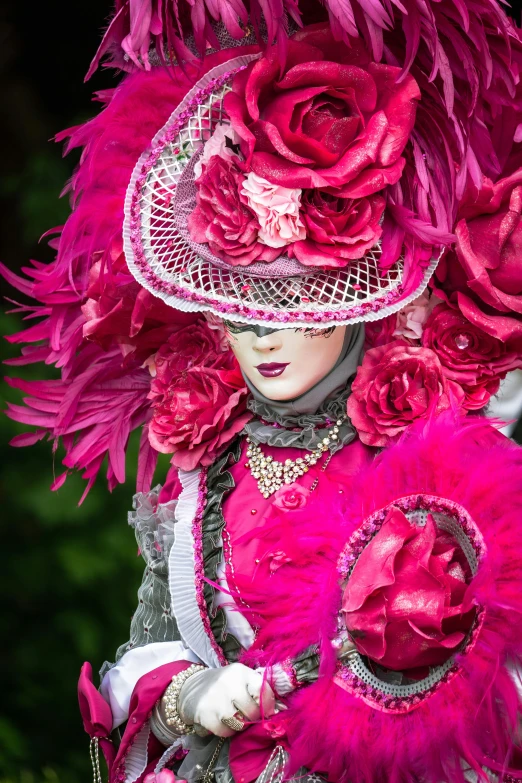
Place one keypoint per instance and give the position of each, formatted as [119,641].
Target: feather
[94,323]
[147,460]
[408,29]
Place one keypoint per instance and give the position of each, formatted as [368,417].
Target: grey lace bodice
[154,529]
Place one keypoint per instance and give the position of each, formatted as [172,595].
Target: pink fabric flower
[198,409]
[328,118]
[396,385]
[277,209]
[222,218]
[277,559]
[405,603]
[224,143]
[411,319]
[291,498]
[201,413]
[483,276]
[189,347]
[338,230]
[470,356]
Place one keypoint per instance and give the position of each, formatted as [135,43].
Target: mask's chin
[280,389]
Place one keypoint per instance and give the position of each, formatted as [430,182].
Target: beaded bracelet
[170,700]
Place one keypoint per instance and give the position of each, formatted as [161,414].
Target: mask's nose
[264,331]
[267,340]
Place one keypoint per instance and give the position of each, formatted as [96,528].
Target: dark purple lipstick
[272,369]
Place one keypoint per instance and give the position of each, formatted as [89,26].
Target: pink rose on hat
[329,118]
[222,218]
[277,210]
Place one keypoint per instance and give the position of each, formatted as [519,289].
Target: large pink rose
[395,385]
[329,118]
[198,414]
[222,218]
[338,230]
[194,345]
[470,356]
[405,602]
[483,276]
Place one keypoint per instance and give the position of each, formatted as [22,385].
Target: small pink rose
[338,230]
[476,360]
[411,319]
[277,559]
[223,143]
[222,218]
[197,413]
[291,498]
[277,209]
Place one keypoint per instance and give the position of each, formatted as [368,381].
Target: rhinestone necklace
[271,474]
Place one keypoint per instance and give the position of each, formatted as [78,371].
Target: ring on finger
[234,723]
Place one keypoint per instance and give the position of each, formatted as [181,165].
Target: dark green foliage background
[69,575]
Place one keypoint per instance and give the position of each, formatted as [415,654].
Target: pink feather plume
[92,320]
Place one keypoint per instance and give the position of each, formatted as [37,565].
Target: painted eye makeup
[259,331]
[263,331]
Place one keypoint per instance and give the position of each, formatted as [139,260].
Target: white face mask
[284,364]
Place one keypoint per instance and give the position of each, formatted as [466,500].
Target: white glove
[212,695]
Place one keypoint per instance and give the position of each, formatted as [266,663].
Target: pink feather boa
[469,721]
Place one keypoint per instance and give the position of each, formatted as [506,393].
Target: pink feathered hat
[298,185]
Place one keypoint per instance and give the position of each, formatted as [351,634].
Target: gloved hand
[212,695]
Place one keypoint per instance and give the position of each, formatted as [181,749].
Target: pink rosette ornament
[411,319]
[277,209]
[406,603]
[395,385]
[476,360]
[291,498]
